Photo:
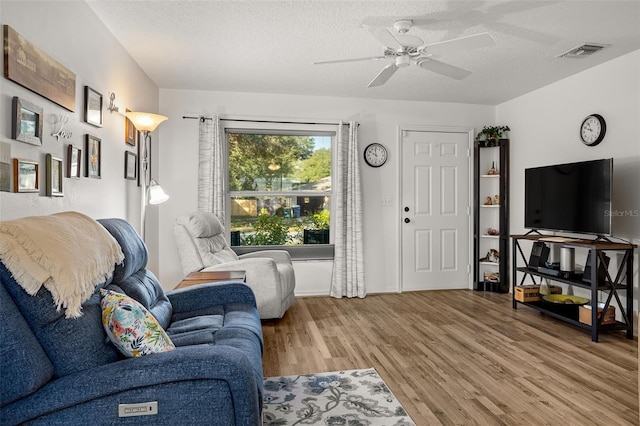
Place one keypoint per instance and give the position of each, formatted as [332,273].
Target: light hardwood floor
[463,358]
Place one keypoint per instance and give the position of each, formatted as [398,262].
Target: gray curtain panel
[347,279]
[211,168]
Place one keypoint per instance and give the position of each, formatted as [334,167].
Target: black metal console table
[622,281]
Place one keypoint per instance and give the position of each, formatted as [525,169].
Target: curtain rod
[201,118]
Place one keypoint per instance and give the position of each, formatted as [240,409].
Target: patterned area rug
[341,398]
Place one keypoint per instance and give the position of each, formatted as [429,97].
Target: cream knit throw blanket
[69,253]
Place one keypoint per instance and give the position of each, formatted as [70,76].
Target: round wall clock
[375,155]
[592,130]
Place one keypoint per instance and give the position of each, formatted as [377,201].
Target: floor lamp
[152,193]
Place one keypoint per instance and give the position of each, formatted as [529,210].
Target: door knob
[406,209]
[407,220]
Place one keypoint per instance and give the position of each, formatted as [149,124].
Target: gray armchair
[203,247]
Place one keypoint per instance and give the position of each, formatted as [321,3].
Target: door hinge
[468,210]
[468,269]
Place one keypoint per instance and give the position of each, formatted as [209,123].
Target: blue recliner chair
[58,370]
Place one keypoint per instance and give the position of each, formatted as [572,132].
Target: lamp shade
[145,120]
[156,193]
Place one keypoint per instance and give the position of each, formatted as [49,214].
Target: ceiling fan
[405,49]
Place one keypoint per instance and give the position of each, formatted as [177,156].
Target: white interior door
[435,210]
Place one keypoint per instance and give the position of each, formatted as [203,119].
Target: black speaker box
[539,255]
[602,269]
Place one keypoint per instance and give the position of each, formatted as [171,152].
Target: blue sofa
[58,370]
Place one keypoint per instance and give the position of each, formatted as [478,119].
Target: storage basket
[531,293]
[609,317]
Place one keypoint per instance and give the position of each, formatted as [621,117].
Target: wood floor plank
[463,357]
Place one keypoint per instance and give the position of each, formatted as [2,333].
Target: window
[279,187]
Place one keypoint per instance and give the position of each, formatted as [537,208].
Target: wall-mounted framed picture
[25,175]
[5,166]
[55,172]
[130,165]
[92,107]
[93,154]
[130,132]
[26,121]
[74,162]
[29,66]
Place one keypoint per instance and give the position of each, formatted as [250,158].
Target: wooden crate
[609,317]
[531,293]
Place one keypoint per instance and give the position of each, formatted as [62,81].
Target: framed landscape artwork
[130,132]
[26,122]
[54,176]
[130,165]
[92,165]
[74,162]
[5,166]
[25,175]
[92,107]
[31,67]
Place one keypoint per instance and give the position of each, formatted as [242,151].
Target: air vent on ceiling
[583,50]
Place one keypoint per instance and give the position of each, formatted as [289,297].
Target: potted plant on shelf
[491,134]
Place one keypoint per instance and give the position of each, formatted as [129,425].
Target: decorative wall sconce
[112,107]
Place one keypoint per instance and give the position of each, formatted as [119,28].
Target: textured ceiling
[270,46]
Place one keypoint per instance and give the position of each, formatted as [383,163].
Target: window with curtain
[280,186]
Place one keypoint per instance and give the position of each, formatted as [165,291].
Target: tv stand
[611,285]
[602,238]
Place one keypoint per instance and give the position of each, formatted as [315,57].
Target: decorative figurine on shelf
[493,171]
[492,256]
[492,231]
[496,200]
[492,277]
[489,202]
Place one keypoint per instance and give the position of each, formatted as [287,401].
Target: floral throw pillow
[131,328]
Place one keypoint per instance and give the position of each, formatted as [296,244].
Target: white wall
[544,130]
[378,123]
[72,34]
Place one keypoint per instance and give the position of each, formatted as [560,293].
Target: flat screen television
[572,197]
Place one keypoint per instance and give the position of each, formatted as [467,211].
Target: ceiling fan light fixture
[403,61]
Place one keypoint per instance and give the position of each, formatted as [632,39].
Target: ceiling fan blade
[385,37]
[443,69]
[409,40]
[338,61]
[457,44]
[383,75]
